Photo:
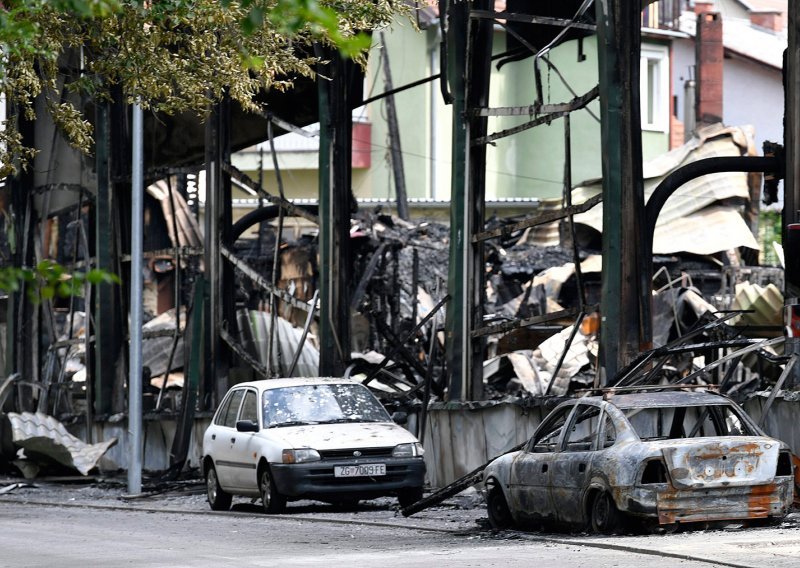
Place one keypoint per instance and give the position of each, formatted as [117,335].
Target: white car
[318,438]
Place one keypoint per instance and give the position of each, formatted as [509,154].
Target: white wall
[752,93]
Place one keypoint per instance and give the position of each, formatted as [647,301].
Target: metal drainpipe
[689,122]
[135,365]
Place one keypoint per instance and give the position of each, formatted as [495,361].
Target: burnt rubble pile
[706,309]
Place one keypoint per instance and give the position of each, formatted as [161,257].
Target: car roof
[268,384]
[662,399]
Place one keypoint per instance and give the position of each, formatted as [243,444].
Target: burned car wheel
[605,517]
[271,499]
[497,508]
[218,499]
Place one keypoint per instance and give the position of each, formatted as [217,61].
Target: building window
[654,88]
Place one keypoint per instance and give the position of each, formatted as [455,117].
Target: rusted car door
[571,466]
[530,472]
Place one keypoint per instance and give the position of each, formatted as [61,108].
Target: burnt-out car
[652,459]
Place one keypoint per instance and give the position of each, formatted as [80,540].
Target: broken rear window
[671,423]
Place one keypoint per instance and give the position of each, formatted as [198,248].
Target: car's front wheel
[271,499]
[605,517]
[497,508]
[218,499]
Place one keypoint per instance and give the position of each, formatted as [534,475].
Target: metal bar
[541,219]
[729,357]
[408,336]
[135,362]
[426,394]
[157,333]
[516,324]
[415,284]
[70,342]
[273,330]
[776,389]
[546,119]
[536,109]
[242,353]
[173,252]
[367,276]
[177,299]
[530,19]
[290,208]
[473,477]
[262,282]
[302,341]
[576,258]
[286,125]
[643,358]
[563,356]
[183,430]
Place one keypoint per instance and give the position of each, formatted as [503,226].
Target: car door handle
[581,467]
[544,468]
[233,440]
[213,436]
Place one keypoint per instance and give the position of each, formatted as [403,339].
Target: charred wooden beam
[619,46]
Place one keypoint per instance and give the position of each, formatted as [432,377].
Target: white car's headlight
[302,455]
[408,450]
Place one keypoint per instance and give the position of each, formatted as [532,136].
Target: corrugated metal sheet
[692,220]
[44,435]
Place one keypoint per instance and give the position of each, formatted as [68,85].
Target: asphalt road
[84,527]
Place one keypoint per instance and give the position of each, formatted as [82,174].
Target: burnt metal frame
[469,52]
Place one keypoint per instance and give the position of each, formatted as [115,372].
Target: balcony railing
[663,15]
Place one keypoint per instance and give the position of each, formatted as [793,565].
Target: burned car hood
[720,461]
[347,435]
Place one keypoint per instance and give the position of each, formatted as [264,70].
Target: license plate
[362,470]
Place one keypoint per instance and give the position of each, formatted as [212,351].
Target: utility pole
[395,147]
[622,333]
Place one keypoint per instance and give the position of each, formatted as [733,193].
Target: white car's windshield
[321,404]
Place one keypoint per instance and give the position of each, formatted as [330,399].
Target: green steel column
[457,346]
[108,339]
[336,203]
[469,44]
[218,274]
[622,300]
